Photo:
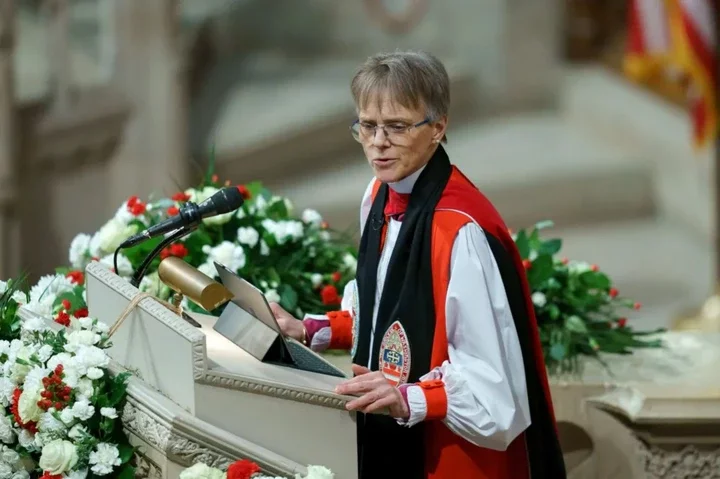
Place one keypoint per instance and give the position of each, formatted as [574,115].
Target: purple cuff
[403,392]
[312,326]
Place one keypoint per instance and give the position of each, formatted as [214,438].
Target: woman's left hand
[375,393]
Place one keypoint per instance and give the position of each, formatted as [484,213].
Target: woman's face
[395,152]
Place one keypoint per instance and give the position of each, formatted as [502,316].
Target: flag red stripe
[636,38]
[702,51]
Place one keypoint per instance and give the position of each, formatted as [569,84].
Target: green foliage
[579,312]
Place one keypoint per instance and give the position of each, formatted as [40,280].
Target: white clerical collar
[405,185]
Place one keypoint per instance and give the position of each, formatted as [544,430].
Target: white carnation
[284,230]
[202,471]
[272,296]
[3,286]
[317,472]
[78,254]
[109,412]
[316,280]
[312,217]
[248,236]
[124,265]
[226,253]
[264,249]
[104,458]
[5,470]
[7,433]
[198,196]
[350,262]
[539,299]
[81,338]
[109,237]
[82,409]
[208,269]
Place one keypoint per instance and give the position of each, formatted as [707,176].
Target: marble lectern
[285,418]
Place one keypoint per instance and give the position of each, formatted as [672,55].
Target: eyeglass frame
[383,126]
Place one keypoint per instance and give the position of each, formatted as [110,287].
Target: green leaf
[288,297]
[541,270]
[127,472]
[523,244]
[575,324]
[126,452]
[211,166]
[553,311]
[558,351]
[595,280]
[550,247]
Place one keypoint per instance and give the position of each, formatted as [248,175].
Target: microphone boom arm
[140,272]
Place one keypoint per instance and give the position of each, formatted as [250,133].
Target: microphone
[224,201]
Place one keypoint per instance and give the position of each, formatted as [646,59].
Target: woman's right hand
[289,325]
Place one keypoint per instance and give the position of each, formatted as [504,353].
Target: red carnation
[81,313]
[132,201]
[181,197]
[176,249]
[595,267]
[329,295]
[63,318]
[173,211]
[637,306]
[527,264]
[244,192]
[622,322]
[336,276]
[47,475]
[243,469]
[613,292]
[76,277]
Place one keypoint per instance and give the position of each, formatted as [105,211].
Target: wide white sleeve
[366,204]
[487,401]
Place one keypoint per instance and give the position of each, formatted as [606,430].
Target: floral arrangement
[60,403]
[245,469]
[579,311]
[298,262]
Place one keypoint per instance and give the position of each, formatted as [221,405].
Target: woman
[439,318]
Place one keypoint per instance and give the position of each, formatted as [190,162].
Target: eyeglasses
[364,131]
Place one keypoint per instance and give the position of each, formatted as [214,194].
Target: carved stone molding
[687,463]
[258,387]
[146,469]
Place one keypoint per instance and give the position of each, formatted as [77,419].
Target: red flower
[595,267]
[137,209]
[173,211]
[77,277]
[132,201]
[613,292]
[176,249]
[66,304]
[622,322]
[637,306]
[329,295]
[81,313]
[63,318]
[47,475]
[527,264]
[244,192]
[564,260]
[181,197]
[336,276]
[30,426]
[243,469]
[214,178]
[324,225]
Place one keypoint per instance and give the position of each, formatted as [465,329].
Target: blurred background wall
[104,99]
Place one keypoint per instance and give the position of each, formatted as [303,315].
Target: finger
[363,401]
[359,370]
[385,402]
[355,387]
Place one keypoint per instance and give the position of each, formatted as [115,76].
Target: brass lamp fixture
[186,280]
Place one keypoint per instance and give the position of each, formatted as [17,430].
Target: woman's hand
[375,393]
[289,325]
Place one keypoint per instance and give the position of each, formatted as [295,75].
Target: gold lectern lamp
[187,281]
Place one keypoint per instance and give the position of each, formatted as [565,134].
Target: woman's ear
[439,127]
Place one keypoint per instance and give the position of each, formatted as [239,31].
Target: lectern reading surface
[249,322]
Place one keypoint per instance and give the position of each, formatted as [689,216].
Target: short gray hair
[414,79]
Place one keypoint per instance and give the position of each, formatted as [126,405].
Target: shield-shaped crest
[394,360]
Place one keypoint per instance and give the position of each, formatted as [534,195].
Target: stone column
[148,71]
[8,145]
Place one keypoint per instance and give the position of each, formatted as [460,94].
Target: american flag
[677,38]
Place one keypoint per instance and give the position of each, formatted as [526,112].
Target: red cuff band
[341,325]
[435,398]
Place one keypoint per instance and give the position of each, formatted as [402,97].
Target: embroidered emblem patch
[355,319]
[395,354]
